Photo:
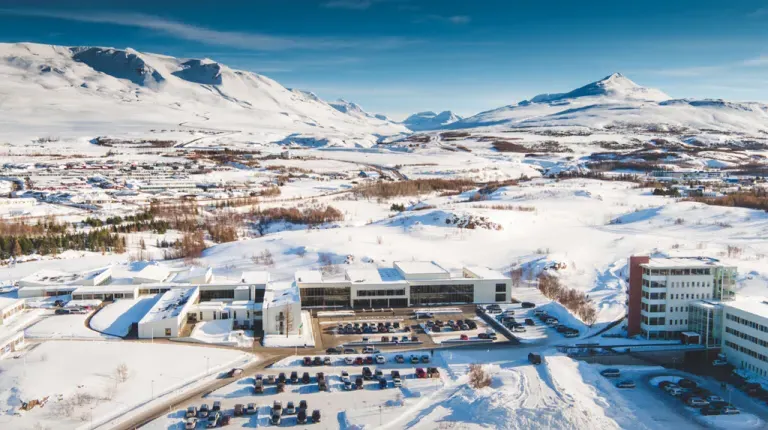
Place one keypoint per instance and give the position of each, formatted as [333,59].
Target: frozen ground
[305,339]
[116,318]
[220,332]
[82,382]
[63,327]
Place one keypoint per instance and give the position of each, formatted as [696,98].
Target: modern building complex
[169,314]
[413,283]
[745,337]
[662,289]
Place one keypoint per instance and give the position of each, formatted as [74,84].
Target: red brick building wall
[635,293]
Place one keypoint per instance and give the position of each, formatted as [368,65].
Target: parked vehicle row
[277,412]
[438,326]
[698,397]
[508,321]
[554,323]
[369,328]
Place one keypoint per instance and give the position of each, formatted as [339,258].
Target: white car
[380,359]
[345,376]
[719,363]
[518,329]
[697,402]
[349,360]
[712,399]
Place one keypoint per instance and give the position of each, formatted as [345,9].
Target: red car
[359,361]
[369,360]
[464,337]
[421,373]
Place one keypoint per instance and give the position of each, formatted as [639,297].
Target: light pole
[152,390]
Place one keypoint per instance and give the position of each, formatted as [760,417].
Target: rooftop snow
[754,305]
[192,274]
[309,276]
[6,302]
[52,277]
[374,276]
[170,305]
[664,263]
[420,268]
[485,273]
[259,277]
[154,272]
[281,293]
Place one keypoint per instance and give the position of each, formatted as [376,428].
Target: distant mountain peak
[615,85]
[429,120]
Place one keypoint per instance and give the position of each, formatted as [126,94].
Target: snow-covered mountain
[355,110]
[88,90]
[617,102]
[429,120]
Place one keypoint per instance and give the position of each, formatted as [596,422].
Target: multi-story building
[661,291]
[745,337]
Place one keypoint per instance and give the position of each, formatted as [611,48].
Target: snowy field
[83,384]
[63,327]
[219,332]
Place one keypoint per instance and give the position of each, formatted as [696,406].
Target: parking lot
[372,403]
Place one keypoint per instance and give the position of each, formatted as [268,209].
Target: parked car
[674,390]
[258,387]
[719,362]
[301,417]
[369,359]
[305,378]
[271,380]
[191,412]
[350,351]
[213,420]
[382,383]
[425,358]
[572,333]
[432,372]
[697,402]
[349,360]
[664,384]
[730,410]
[359,361]
[322,386]
[275,420]
[62,312]
[463,337]
[204,411]
[239,410]
[687,384]
[380,359]
[711,410]
[277,407]
[344,375]
[332,351]
[367,374]
[234,372]
[294,377]
[538,312]
[611,373]
[713,399]
[534,358]
[281,377]
[190,423]
[399,359]
[529,321]
[327,361]
[358,383]
[316,416]
[289,409]
[527,305]
[483,336]
[626,384]
[307,361]
[518,329]
[348,385]
[250,409]
[318,361]
[280,387]
[421,373]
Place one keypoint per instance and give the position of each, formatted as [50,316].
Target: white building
[9,308]
[412,283]
[244,313]
[669,285]
[169,314]
[195,275]
[745,337]
[152,274]
[281,311]
[105,292]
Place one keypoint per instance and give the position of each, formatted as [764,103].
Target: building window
[167,332]
[501,288]
[439,294]
[501,297]
[321,297]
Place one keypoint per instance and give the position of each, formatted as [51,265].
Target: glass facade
[374,293]
[707,320]
[442,294]
[725,280]
[325,297]
[208,295]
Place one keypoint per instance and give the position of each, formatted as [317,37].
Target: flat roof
[154,272]
[193,272]
[420,268]
[707,304]
[281,293]
[486,273]
[374,276]
[671,263]
[309,276]
[52,277]
[169,306]
[753,305]
[255,277]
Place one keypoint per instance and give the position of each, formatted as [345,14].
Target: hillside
[82,91]
[617,103]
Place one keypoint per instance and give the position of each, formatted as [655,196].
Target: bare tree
[288,320]
[478,377]
[122,372]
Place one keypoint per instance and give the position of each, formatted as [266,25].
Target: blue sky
[401,56]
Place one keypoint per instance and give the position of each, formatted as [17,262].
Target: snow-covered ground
[63,327]
[305,339]
[219,332]
[83,384]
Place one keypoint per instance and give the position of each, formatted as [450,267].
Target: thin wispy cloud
[232,39]
[763,11]
[452,19]
[699,71]
[354,4]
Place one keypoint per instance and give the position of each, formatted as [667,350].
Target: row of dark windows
[675,272]
[442,294]
[380,303]
[745,336]
[747,351]
[325,297]
[373,293]
[746,322]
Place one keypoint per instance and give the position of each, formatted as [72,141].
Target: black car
[527,305]
[331,351]
[305,378]
[317,361]
[529,321]
[301,417]
[303,405]
[316,416]
[382,383]
[275,420]
[359,383]
[281,378]
[294,377]
[367,374]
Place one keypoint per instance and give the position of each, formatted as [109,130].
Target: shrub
[478,377]
[386,190]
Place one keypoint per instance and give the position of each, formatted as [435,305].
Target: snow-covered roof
[7,302]
[484,272]
[170,304]
[153,272]
[221,306]
[105,289]
[255,277]
[757,306]
[680,262]
[374,276]
[420,268]
[195,275]
[309,276]
[51,277]
[281,293]
[706,304]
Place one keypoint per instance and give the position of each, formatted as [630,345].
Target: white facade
[281,312]
[9,308]
[243,312]
[169,314]
[669,287]
[151,274]
[106,292]
[745,336]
